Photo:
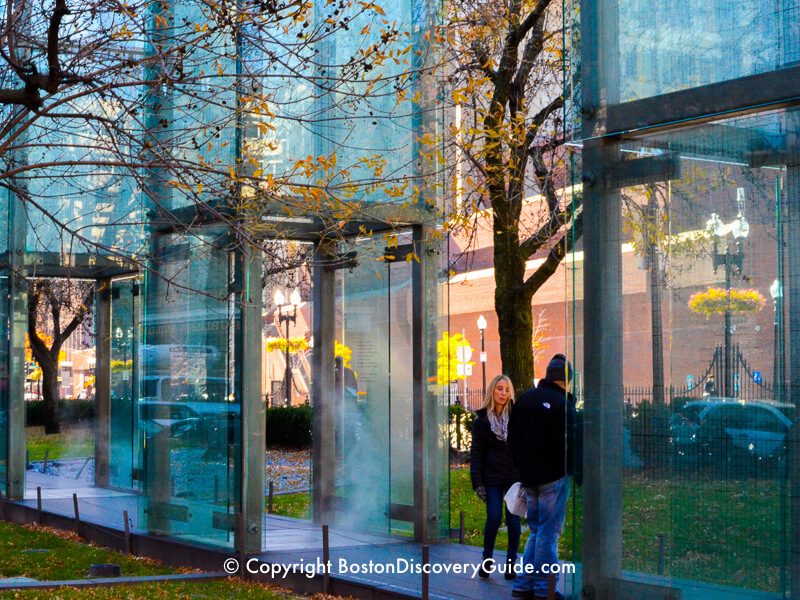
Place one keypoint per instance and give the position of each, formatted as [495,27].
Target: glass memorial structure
[685,120]
[180,267]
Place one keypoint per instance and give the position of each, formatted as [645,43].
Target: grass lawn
[717,531]
[37,552]
[231,589]
[45,554]
[74,441]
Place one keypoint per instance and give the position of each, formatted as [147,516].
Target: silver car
[741,433]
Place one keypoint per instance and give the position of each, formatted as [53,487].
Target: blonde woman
[492,472]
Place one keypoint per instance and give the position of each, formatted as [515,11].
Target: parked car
[214,424]
[734,434]
[177,418]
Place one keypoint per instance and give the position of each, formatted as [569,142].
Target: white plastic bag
[517,500]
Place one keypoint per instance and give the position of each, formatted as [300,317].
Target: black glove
[480,492]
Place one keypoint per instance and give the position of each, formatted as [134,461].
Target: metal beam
[102,396]
[419,417]
[17,327]
[323,388]
[742,96]
[641,171]
[602,276]
[253,411]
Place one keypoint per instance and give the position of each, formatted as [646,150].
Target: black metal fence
[747,384]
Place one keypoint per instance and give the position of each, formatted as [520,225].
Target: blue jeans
[547,509]
[494,515]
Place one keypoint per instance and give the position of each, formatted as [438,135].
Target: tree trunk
[515,324]
[50,395]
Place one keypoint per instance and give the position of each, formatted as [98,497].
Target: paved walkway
[290,541]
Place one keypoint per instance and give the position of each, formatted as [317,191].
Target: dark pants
[494,516]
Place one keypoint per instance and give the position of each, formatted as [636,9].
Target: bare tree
[122,116]
[56,308]
[505,67]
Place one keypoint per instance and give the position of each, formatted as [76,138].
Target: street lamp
[482,327]
[776,291]
[739,228]
[289,317]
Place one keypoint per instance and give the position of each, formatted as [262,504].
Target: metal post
[483,365]
[288,373]
[128,540]
[425,575]
[271,496]
[728,384]
[326,559]
[419,419]
[776,351]
[77,514]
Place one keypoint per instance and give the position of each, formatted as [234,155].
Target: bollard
[326,557]
[39,504]
[662,547]
[425,576]
[77,514]
[269,501]
[461,529]
[128,540]
[46,458]
[241,544]
[551,586]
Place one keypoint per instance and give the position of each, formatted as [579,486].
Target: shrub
[289,426]
[69,411]
[460,427]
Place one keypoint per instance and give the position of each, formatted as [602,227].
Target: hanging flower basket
[296,344]
[717,301]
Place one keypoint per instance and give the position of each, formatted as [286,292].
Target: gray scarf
[499,424]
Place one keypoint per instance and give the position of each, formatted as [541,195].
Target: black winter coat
[490,463]
[545,436]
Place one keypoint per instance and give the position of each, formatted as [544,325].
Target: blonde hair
[488,401]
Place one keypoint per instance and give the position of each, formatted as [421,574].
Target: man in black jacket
[544,439]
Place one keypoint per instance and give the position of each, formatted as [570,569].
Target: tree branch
[555,256]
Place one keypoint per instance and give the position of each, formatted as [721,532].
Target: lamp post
[739,228]
[289,317]
[482,327]
[776,291]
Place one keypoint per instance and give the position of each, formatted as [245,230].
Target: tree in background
[56,308]
[505,68]
[115,116]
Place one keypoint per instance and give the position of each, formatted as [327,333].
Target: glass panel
[669,46]
[367,466]
[125,317]
[189,409]
[401,386]
[706,423]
